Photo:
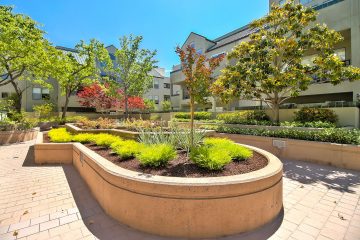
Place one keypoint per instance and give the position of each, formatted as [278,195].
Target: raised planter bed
[338,155]
[172,206]
[118,132]
[8,137]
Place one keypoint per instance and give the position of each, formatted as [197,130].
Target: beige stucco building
[36,95]
[341,15]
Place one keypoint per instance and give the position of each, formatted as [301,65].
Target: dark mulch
[182,166]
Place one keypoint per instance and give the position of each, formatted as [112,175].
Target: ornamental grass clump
[156,155]
[210,157]
[59,135]
[105,140]
[84,138]
[126,149]
[236,151]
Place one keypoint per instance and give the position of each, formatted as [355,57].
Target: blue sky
[163,23]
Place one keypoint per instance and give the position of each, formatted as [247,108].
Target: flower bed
[200,207]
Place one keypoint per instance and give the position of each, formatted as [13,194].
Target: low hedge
[249,117]
[197,115]
[334,135]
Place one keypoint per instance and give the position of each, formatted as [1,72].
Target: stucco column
[355,37]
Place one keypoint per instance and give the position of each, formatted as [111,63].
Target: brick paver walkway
[53,202]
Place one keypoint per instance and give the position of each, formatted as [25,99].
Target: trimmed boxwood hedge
[334,135]
[197,115]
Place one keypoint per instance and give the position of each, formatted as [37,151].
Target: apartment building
[341,15]
[36,95]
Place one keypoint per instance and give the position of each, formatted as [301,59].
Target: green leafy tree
[25,55]
[149,105]
[270,66]
[166,105]
[198,72]
[131,68]
[73,73]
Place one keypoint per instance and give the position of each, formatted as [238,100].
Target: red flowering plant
[98,96]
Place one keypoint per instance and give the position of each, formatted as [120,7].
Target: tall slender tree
[270,66]
[198,72]
[131,68]
[80,68]
[25,55]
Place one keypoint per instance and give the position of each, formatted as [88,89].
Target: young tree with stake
[198,72]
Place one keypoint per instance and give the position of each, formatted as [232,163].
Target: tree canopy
[80,68]
[270,66]
[25,55]
[132,66]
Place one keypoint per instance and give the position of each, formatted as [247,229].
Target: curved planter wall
[178,207]
[8,137]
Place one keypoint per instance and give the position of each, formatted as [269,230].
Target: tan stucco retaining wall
[178,207]
[338,155]
[8,137]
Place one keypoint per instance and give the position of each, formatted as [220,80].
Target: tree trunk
[67,95]
[276,110]
[126,103]
[192,103]
[17,101]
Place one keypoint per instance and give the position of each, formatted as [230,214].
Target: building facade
[341,15]
[36,95]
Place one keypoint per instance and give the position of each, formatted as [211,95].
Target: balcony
[177,76]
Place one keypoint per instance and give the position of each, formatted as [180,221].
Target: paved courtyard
[53,202]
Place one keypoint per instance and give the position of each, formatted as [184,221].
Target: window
[192,44]
[150,97]
[199,51]
[4,95]
[166,97]
[36,94]
[39,94]
[112,56]
[45,94]
[156,99]
[156,83]
[282,2]
[166,85]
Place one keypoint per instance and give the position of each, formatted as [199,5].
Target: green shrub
[248,117]
[126,149]
[318,124]
[334,135]
[104,139]
[197,115]
[84,137]
[316,114]
[59,135]
[43,110]
[235,151]
[209,157]
[156,155]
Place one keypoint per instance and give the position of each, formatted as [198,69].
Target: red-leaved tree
[97,96]
[133,103]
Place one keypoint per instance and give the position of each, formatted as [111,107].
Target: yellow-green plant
[84,137]
[236,151]
[105,140]
[59,135]
[126,149]
[156,155]
[213,158]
